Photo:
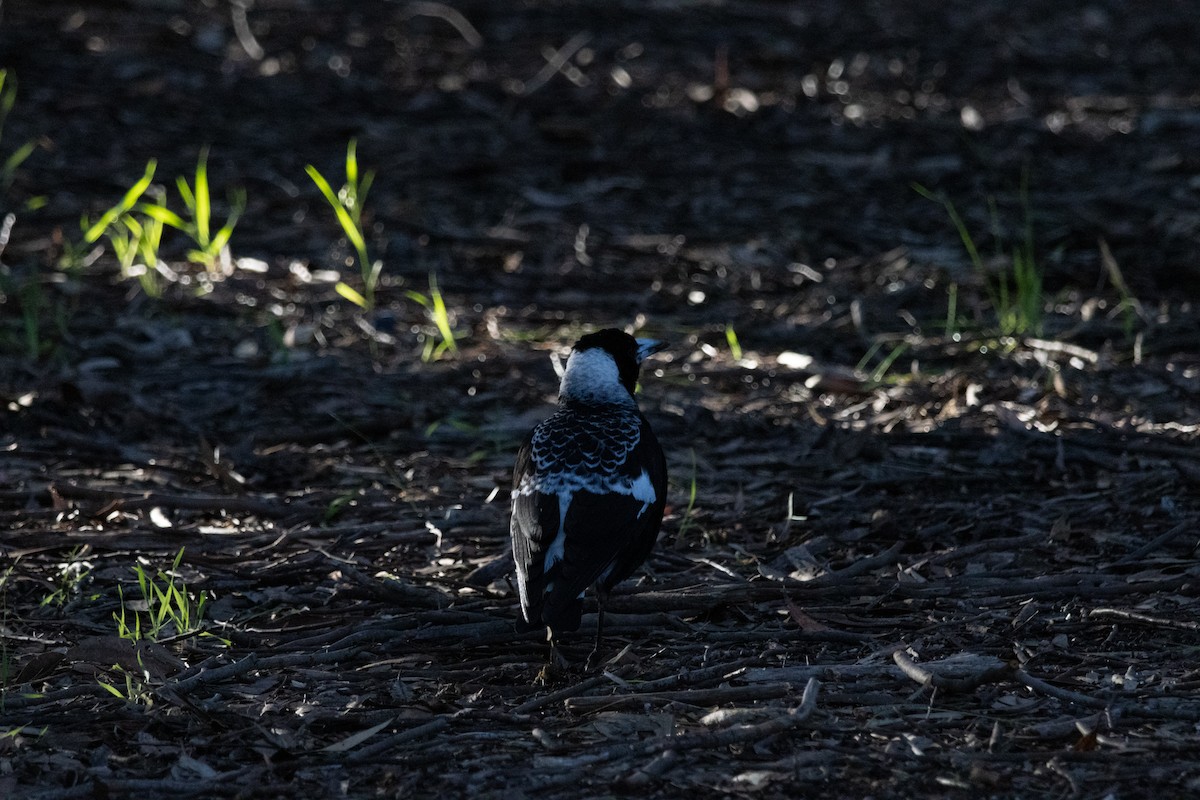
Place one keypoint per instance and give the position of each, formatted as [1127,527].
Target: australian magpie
[589,486]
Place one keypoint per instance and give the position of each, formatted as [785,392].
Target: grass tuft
[170,606]
[347,204]
[439,315]
[211,248]
[1015,292]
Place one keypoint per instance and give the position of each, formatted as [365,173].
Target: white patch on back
[592,376]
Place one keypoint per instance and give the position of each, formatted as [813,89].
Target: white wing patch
[554,553]
[642,489]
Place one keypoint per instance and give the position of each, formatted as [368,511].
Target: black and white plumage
[589,485]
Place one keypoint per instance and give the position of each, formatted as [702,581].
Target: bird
[589,487]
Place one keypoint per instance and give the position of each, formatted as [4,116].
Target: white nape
[592,376]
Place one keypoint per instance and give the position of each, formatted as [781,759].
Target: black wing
[534,525]
[609,535]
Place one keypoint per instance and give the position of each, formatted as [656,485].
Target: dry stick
[174,787]
[735,734]
[557,61]
[1155,543]
[697,677]
[533,704]
[451,16]
[657,766]
[436,725]
[309,659]
[1149,620]
[1039,685]
[215,674]
[928,678]
[969,550]
[52,698]
[130,501]
[695,697]
[859,567]
[834,584]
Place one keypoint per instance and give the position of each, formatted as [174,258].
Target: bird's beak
[648,347]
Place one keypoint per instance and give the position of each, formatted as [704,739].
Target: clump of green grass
[134,227]
[170,606]
[347,204]
[136,689]
[93,231]
[129,235]
[435,307]
[211,246]
[1015,292]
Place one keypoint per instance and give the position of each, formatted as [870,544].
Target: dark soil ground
[916,545]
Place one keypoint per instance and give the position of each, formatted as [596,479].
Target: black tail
[561,613]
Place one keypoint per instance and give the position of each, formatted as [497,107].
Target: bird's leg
[594,657]
[554,661]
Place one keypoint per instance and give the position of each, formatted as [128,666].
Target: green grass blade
[360,195]
[112,689]
[350,293]
[203,201]
[226,232]
[959,225]
[164,215]
[441,317]
[14,161]
[352,163]
[952,311]
[887,362]
[735,347]
[322,184]
[351,230]
[92,234]
[185,192]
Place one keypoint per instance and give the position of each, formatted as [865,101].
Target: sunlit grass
[129,236]
[198,223]
[135,690]
[347,204]
[93,231]
[735,347]
[439,315]
[170,606]
[134,227]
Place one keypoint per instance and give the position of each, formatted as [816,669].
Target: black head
[626,351]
